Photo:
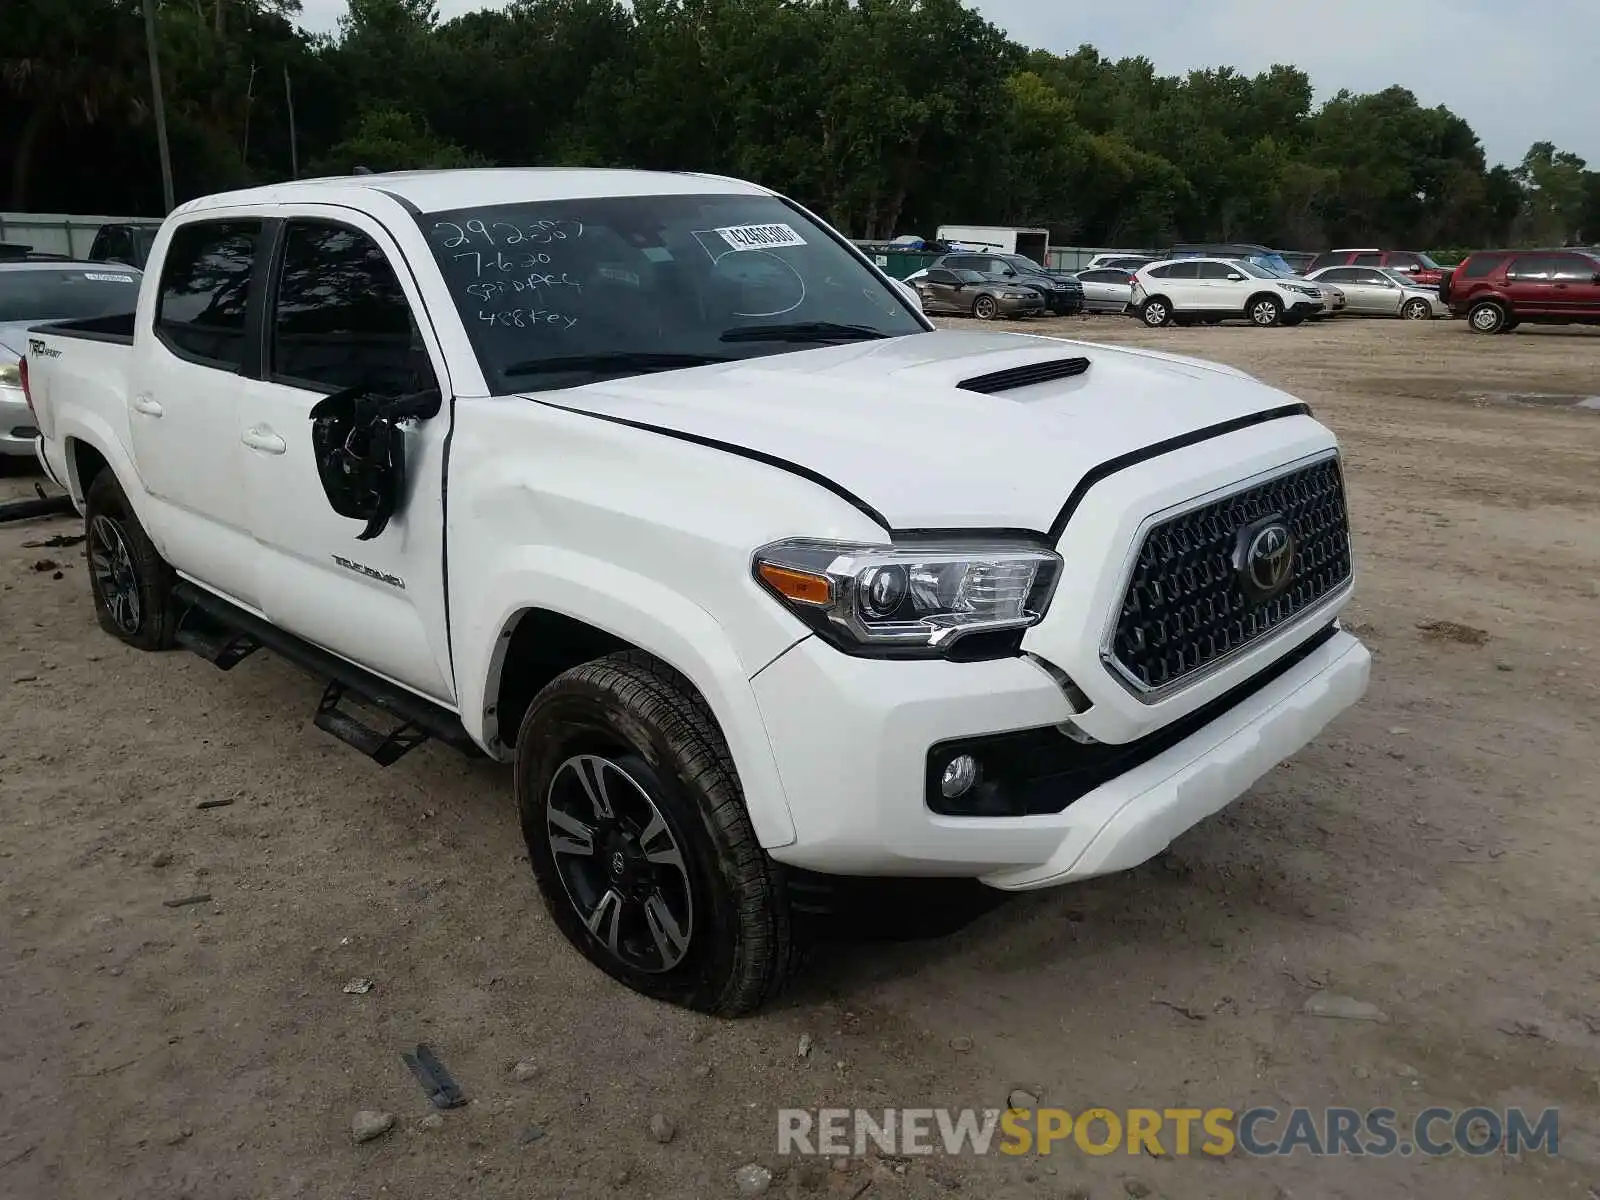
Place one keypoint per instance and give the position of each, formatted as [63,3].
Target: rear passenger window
[1401,262]
[1533,266]
[340,318]
[1367,260]
[1215,270]
[205,280]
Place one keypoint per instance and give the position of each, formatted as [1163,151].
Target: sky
[1518,72]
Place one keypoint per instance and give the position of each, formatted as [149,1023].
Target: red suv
[1419,266]
[1496,290]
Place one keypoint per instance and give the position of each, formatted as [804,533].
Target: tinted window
[53,295]
[1341,275]
[1533,266]
[1215,270]
[1366,260]
[1576,267]
[1402,260]
[970,277]
[1104,276]
[1323,260]
[941,276]
[340,317]
[1480,265]
[204,281]
[1180,270]
[964,262]
[1379,279]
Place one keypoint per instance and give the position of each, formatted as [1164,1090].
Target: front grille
[1186,606]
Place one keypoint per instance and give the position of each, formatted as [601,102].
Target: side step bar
[225,634]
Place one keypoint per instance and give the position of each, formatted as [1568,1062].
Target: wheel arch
[579,617]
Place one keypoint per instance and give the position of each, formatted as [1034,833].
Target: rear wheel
[1265,311]
[640,842]
[1416,310]
[1487,317]
[985,308]
[1156,312]
[131,585]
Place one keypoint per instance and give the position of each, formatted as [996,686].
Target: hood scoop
[1025,376]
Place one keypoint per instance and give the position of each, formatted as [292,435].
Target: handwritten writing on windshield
[505,260]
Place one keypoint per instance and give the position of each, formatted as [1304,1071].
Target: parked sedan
[1382,292]
[973,293]
[1060,290]
[1106,289]
[32,293]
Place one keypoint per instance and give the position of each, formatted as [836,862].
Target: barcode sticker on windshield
[760,237]
[108,278]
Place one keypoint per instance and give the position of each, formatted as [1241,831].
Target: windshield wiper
[614,361]
[804,331]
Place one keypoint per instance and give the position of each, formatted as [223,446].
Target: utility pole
[294,150]
[161,107]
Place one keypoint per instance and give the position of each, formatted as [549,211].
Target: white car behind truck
[650,486]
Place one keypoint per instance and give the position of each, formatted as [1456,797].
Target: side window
[1323,260]
[1575,268]
[1342,275]
[339,316]
[1216,270]
[1160,272]
[1403,261]
[1184,270]
[965,263]
[939,275]
[1480,265]
[205,279]
[1532,266]
[1374,278]
[1367,260]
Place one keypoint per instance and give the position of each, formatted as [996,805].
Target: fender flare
[636,610]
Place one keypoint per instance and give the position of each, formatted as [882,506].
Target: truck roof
[440,191]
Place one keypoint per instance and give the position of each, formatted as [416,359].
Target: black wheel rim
[115,579]
[622,868]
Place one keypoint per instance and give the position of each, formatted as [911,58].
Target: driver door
[340,312]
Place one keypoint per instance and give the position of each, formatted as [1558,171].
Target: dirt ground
[1434,854]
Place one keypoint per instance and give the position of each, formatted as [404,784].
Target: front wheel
[1265,311]
[640,842]
[985,308]
[131,585]
[1487,317]
[1416,310]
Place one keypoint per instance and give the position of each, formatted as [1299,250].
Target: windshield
[53,295]
[1020,262]
[557,294]
[1428,264]
[1273,265]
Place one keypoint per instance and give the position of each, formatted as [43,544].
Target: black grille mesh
[1184,607]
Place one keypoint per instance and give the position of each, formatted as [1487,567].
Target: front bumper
[851,736]
[1064,304]
[1019,308]
[16,424]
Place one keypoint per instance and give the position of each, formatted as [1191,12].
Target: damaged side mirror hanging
[359,446]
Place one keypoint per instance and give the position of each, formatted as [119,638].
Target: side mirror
[1235,278]
[359,450]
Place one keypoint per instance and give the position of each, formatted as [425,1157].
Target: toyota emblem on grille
[1264,557]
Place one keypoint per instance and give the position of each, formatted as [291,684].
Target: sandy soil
[1432,854]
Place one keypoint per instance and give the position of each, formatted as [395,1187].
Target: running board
[219,630]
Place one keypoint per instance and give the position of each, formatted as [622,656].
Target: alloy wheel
[620,863]
[1418,310]
[111,565]
[1155,313]
[1265,312]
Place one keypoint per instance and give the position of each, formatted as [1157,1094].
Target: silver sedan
[1106,289]
[1379,292]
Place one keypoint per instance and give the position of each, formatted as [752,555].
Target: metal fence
[59,233]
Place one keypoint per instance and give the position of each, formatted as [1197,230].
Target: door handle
[264,440]
[147,404]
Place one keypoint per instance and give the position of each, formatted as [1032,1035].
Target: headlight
[1017,295]
[10,374]
[907,601]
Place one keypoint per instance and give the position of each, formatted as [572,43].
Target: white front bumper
[851,739]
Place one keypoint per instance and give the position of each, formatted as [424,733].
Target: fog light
[960,773]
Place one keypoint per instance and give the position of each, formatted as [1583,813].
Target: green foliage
[887,116]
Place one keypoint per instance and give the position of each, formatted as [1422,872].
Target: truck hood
[887,421]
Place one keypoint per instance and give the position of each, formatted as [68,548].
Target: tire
[1156,312]
[1487,316]
[627,728]
[1264,311]
[131,585]
[1416,310]
[985,308]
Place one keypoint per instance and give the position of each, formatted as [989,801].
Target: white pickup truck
[652,486]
